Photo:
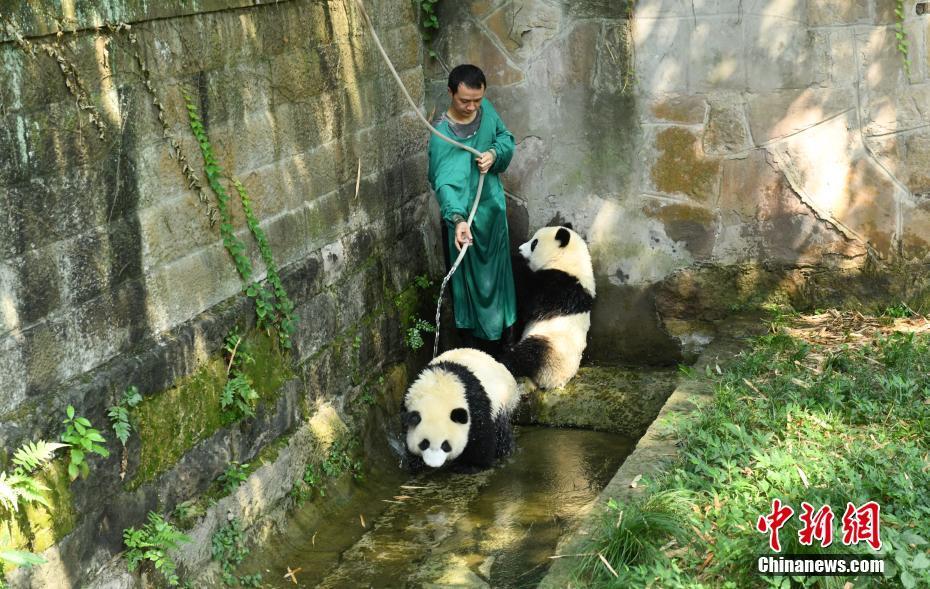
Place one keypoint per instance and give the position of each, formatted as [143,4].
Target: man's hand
[462,235]
[485,160]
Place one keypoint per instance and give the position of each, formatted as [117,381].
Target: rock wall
[112,269]
[772,151]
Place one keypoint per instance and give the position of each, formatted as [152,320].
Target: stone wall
[113,274]
[773,151]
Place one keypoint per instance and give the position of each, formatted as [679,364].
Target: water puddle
[493,529]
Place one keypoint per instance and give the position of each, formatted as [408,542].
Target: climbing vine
[72,80]
[273,308]
[429,22]
[901,38]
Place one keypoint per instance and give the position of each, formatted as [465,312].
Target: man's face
[466,101]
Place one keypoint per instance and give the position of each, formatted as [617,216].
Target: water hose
[416,109]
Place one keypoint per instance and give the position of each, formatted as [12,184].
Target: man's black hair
[467,74]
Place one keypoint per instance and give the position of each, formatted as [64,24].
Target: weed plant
[794,420]
[229,550]
[83,439]
[234,475]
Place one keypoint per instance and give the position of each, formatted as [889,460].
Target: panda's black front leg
[415,463]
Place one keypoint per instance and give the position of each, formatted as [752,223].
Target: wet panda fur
[458,411]
[555,293]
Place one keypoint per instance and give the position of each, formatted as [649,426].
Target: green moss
[171,423]
[271,368]
[38,527]
[681,166]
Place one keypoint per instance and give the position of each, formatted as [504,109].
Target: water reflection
[494,529]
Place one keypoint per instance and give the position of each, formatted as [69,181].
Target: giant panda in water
[458,411]
[555,293]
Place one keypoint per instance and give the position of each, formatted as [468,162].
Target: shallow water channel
[492,529]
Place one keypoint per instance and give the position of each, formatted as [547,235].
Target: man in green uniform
[482,288]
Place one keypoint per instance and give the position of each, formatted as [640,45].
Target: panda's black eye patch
[533,245]
[446,447]
[424,444]
[459,415]
[410,418]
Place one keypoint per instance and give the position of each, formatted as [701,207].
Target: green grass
[852,413]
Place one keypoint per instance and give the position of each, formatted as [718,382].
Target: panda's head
[436,417]
[560,248]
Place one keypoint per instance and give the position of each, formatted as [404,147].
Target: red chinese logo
[816,526]
[859,525]
[773,522]
[862,524]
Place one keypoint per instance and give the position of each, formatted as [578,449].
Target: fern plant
[151,543]
[83,439]
[20,487]
[238,397]
[119,413]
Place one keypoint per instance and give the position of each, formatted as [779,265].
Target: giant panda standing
[555,293]
[458,411]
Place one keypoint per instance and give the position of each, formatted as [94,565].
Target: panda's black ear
[410,418]
[563,236]
[459,416]
[567,225]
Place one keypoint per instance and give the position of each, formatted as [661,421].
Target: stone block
[880,64]
[681,166]
[794,11]
[726,131]
[187,286]
[10,286]
[48,355]
[571,65]
[292,26]
[743,180]
[403,45]
[469,44]
[915,239]
[172,228]
[715,60]
[302,126]
[524,28]
[625,328]
[40,290]
[885,114]
[869,206]
[782,54]
[12,371]
[688,110]
[481,8]
[299,74]
[615,71]
[392,13]
[239,93]
[660,49]
[917,159]
[842,67]
[694,226]
[778,114]
[244,145]
[30,83]
[837,12]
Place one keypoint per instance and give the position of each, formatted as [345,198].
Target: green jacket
[482,287]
